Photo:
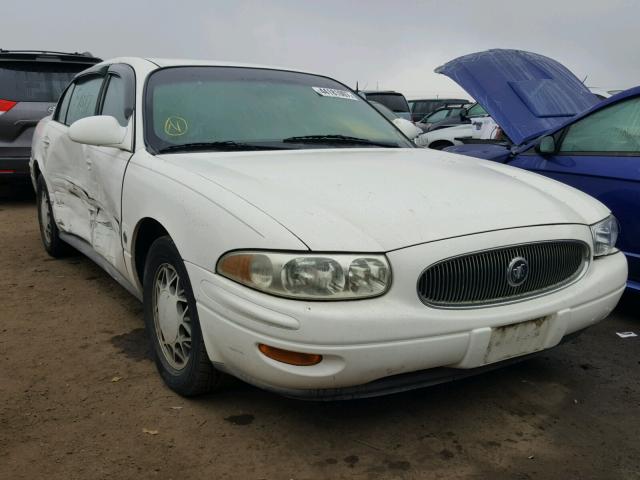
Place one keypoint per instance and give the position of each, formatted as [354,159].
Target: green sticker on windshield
[175,126]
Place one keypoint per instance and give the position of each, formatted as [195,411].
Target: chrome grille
[481,278]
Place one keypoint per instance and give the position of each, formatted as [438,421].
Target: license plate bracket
[517,339]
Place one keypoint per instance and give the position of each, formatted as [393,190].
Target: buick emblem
[518,271]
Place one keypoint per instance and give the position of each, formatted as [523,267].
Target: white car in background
[277,228]
[480,128]
[407,127]
[445,137]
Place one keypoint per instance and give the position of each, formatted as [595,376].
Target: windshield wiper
[224,146]
[338,139]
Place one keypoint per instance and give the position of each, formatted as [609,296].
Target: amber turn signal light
[287,356]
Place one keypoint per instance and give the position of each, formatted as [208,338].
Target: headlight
[309,275]
[605,235]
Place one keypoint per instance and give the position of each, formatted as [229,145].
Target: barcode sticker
[335,93]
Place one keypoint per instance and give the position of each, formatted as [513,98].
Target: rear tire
[49,233]
[172,323]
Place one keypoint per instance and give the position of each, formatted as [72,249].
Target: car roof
[380,92]
[181,62]
[48,56]
[452,100]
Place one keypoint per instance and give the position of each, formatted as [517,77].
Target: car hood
[527,94]
[377,200]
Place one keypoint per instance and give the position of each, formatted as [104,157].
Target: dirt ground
[79,398]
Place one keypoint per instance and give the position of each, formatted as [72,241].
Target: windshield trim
[145,97]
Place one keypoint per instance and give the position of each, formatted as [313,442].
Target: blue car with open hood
[556,127]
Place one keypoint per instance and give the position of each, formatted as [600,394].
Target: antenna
[357,90]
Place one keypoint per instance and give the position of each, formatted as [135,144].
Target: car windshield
[251,108]
[388,114]
[22,81]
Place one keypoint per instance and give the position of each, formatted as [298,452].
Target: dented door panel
[107,167]
[69,182]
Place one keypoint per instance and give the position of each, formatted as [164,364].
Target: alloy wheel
[171,316]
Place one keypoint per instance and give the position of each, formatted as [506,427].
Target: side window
[438,115]
[63,105]
[612,129]
[477,111]
[115,99]
[84,99]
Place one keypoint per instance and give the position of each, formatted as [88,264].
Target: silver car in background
[30,84]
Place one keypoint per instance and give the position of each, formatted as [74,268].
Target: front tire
[49,233]
[172,323]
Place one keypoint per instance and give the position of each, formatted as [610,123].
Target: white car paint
[484,128]
[407,127]
[416,206]
[445,137]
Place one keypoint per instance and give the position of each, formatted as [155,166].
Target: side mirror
[407,127]
[547,145]
[99,130]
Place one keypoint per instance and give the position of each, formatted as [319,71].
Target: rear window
[35,81]
[393,101]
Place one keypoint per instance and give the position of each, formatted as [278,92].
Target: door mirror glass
[99,130]
[547,145]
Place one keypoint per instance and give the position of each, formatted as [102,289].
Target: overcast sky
[392,45]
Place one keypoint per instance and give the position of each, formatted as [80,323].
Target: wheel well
[36,170]
[147,232]
[440,144]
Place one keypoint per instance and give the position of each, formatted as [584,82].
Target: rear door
[107,166]
[600,155]
[67,170]
[29,91]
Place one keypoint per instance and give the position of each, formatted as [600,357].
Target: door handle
[46,141]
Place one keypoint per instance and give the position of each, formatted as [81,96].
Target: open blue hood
[525,93]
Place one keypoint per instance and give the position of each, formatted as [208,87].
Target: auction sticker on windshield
[334,92]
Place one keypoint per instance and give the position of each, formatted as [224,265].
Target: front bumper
[365,341]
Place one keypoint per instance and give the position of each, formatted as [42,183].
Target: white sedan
[279,229]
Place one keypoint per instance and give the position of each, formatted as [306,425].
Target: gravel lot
[79,398]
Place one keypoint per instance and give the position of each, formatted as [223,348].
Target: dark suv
[30,84]
[394,101]
[422,107]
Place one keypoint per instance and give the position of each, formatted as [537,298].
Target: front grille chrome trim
[465,281]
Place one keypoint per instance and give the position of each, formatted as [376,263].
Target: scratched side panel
[107,167]
[69,182]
